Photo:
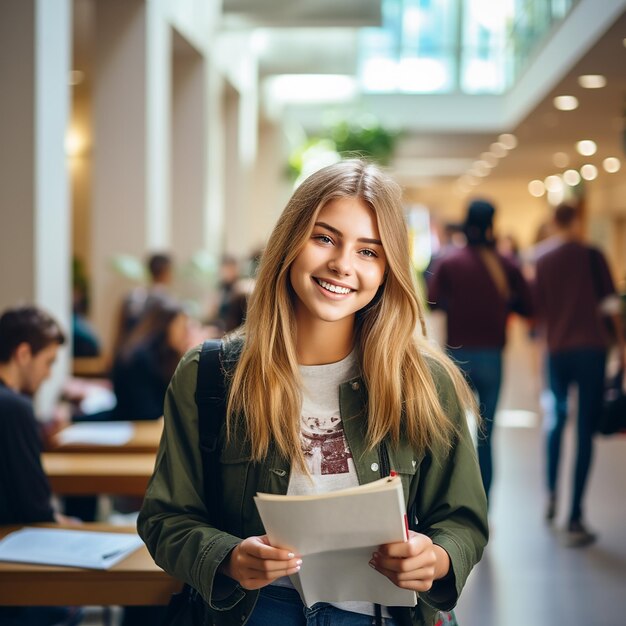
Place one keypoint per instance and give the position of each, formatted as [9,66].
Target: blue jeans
[483,369]
[585,369]
[282,605]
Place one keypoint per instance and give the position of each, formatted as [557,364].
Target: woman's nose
[341,264]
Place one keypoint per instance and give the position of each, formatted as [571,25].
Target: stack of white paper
[97,433]
[71,548]
[336,534]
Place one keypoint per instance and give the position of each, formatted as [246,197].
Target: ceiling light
[498,149]
[478,172]
[589,171]
[560,159]
[75,142]
[76,77]
[304,88]
[556,197]
[571,177]
[592,81]
[536,188]
[566,103]
[553,183]
[508,140]
[612,165]
[586,147]
[489,158]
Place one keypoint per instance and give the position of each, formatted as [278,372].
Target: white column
[158,120]
[215,138]
[189,112]
[131,93]
[35,56]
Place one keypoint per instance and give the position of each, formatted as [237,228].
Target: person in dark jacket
[29,342]
[147,360]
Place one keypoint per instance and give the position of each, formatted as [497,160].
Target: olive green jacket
[450,501]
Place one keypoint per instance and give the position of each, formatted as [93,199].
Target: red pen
[393,473]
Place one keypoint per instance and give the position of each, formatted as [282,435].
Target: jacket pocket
[234,474]
[405,463]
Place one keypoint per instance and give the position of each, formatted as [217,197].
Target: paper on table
[70,548]
[97,433]
[336,534]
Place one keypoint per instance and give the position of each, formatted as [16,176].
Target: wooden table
[90,366]
[136,580]
[81,474]
[145,440]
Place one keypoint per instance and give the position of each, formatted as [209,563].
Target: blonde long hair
[402,396]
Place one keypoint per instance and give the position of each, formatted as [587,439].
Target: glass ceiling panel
[446,46]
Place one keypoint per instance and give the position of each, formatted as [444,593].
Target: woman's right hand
[254,563]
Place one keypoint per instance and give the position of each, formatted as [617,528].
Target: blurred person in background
[574,291]
[235,313]
[140,299]
[446,238]
[85,341]
[229,275]
[508,247]
[478,288]
[29,342]
[146,362]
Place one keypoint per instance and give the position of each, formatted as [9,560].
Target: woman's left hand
[414,564]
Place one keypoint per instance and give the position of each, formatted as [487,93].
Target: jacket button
[374,467]
[414,463]
[355,386]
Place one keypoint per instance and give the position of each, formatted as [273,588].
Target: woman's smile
[331,288]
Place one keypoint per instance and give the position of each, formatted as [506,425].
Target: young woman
[146,362]
[328,368]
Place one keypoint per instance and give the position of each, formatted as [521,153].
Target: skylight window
[445,46]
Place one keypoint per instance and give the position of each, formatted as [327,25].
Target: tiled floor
[526,577]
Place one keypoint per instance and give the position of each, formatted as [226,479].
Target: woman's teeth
[333,288]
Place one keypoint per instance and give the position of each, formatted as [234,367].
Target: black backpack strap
[211,402]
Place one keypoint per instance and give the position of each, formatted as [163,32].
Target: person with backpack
[575,295]
[330,383]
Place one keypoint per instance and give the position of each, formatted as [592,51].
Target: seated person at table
[146,363]
[29,341]
[140,300]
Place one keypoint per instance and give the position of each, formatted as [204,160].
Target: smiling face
[340,267]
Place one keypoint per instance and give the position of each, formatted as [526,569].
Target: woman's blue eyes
[325,239]
[368,252]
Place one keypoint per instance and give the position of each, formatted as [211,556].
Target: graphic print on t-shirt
[324,445]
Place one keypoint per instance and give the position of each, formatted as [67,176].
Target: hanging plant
[362,137]
[365,137]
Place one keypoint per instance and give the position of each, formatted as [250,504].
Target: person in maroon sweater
[478,289]
[573,291]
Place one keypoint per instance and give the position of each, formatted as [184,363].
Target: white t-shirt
[327,454]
